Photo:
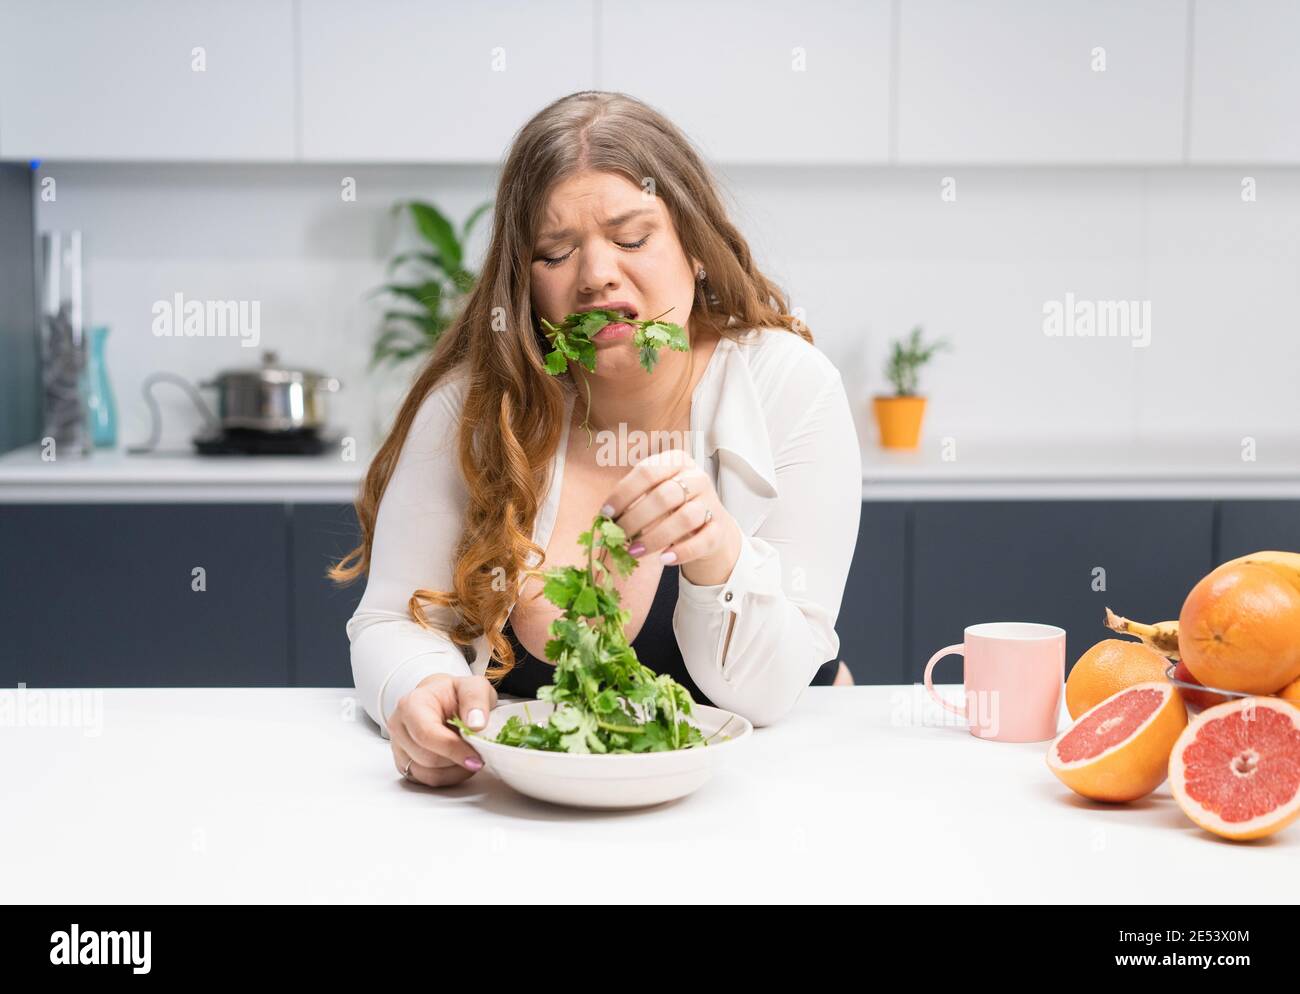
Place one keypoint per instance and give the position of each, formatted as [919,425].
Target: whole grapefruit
[1239,629]
[1109,667]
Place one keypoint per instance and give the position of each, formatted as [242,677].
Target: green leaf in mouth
[571,341]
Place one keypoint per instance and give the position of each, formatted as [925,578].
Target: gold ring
[407,772]
[686,492]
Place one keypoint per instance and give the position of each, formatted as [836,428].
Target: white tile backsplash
[867,252]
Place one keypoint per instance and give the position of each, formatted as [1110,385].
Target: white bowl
[614,780]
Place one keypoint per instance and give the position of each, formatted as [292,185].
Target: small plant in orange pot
[899,416]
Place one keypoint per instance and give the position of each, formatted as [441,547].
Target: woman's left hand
[661,515]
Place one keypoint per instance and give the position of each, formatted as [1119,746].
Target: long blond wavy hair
[514,410]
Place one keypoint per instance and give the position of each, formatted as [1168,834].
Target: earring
[701,275]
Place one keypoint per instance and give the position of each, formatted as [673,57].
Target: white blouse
[771,422]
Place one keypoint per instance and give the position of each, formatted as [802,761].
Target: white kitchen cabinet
[393,81]
[1012,81]
[1245,82]
[757,81]
[86,80]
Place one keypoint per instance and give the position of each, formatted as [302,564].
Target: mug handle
[957,650]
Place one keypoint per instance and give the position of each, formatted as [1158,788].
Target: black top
[655,645]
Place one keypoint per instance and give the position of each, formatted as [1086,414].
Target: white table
[290,795]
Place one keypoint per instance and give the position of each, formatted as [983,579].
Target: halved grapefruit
[1235,769]
[1119,749]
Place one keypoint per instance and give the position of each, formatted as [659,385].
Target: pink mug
[1014,677]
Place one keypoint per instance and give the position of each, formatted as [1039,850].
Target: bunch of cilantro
[605,700]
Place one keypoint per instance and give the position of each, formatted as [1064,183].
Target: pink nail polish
[636,548]
[668,558]
[474,763]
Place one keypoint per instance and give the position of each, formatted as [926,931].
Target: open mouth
[627,312]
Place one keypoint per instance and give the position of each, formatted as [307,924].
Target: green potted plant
[421,306]
[435,285]
[898,416]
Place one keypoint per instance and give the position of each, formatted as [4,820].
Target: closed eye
[551,263]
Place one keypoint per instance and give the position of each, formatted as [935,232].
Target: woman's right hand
[420,735]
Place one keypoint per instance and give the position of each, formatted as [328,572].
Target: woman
[743,536]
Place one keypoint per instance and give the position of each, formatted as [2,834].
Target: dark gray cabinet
[872,636]
[976,561]
[1246,526]
[104,595]
[321,535]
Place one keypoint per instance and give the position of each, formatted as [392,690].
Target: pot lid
[272,371]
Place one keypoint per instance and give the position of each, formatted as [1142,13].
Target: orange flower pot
[899,421]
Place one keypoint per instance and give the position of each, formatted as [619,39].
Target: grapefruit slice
[1235,769]
[1119,749]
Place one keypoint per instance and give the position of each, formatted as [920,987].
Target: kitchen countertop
[1074,468]
[113,475]
[970,469]
[860,794]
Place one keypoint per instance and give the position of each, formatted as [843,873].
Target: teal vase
[100,407]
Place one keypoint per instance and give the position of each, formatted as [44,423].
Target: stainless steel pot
[271,397]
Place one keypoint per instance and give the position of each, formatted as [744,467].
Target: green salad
[605,700]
